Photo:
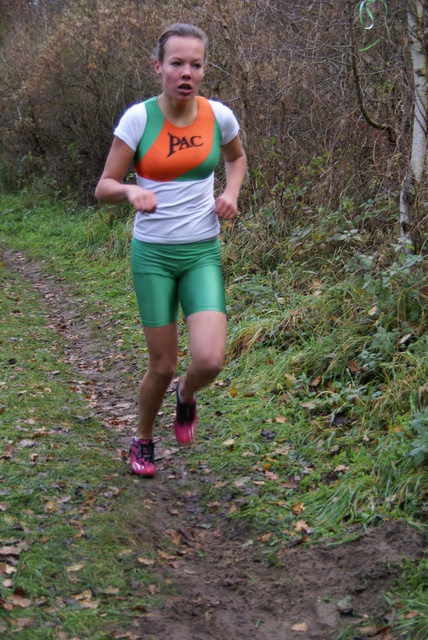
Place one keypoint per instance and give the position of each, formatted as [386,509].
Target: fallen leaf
[354,367]
[85,595]
[265,537]
[175,536]
[240,482]
[50,506]
[302,526]
[8,452]
[289,379]
[271,476]
[10,551]
[229,444]
[90,604]
[298,508]
[27,443]
[22,623]
[292,483]
[147,562]
[411,615]
[41,433]
[367,631]
[281,419]
[282,451]
[74,568]
[301,626]
[19,601]
[308,405]
[90,498]
[165,556]
[341,468]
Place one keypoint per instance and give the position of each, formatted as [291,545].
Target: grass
[72,556]
[317,426]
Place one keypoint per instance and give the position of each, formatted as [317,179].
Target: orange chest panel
[167,152]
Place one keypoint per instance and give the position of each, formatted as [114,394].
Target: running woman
[174,141]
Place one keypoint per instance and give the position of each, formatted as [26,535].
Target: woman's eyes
[196,65]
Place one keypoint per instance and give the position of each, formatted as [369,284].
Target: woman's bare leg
[207,343]
[162,344]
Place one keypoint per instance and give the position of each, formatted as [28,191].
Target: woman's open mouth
[185,88]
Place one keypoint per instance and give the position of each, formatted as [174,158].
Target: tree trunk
[412,183]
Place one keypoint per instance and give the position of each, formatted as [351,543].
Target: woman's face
[183,67]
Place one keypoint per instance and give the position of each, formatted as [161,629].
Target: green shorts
[166,275]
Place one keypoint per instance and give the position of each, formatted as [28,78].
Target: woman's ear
[157,67]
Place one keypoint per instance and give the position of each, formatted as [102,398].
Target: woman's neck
[180,114]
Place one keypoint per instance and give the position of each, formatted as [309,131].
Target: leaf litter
[212,574]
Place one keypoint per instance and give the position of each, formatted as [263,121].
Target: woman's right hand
[141,199]
[112,190]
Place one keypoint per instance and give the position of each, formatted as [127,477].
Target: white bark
[412,182]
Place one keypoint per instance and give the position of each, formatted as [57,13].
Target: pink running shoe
[142,457]
[185,420]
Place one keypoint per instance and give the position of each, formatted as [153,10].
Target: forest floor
[213,583]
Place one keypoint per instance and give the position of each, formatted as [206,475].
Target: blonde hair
[183,30]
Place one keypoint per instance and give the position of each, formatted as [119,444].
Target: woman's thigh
[207,337]
[202,289]
[162,345]
[157,298]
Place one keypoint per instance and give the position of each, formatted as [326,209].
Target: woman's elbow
[100,192]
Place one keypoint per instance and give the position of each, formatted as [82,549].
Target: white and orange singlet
[177,164]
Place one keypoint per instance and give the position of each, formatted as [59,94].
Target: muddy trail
[221,584]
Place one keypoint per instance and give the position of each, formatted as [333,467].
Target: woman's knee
[209,364]
[162,374]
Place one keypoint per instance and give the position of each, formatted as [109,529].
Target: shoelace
[145,451]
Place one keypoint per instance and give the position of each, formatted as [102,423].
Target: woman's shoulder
[226,120]
[221,110]
[132,124]
[138,107]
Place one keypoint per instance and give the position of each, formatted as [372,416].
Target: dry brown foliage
[284,67]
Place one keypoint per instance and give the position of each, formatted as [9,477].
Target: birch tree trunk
[412,183]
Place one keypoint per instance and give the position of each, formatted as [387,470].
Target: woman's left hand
[226,207]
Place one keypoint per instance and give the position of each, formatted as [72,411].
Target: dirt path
[223,586]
